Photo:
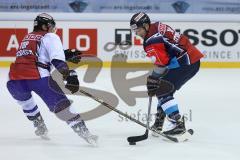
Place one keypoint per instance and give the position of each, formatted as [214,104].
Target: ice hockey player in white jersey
[40,50]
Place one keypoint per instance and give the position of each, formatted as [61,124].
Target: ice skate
[178,126]
[41,129]
[81,129]
[158,124]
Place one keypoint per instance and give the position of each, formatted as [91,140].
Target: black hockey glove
[153,84]
[72,55]
[159,87]
[72,81]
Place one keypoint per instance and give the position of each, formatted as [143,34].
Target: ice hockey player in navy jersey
[176,61]
[39,51]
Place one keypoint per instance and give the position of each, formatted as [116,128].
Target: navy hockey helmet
[42,19]
[138,20]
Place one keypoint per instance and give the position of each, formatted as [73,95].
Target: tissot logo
[123,37]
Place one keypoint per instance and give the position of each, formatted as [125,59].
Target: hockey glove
[72,81]
[159,87]
[152,85]
[72,55]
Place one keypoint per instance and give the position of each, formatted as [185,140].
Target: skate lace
[84,131]
[38,122]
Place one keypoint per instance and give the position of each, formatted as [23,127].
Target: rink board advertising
[123,6]
[219,41]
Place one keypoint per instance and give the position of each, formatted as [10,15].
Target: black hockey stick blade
[138,138]
[135,139]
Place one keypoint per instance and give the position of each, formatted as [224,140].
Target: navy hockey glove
[72,55]
[72,81]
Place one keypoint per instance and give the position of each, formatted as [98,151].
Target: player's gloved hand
[72,55]
[72,81]
[153,84]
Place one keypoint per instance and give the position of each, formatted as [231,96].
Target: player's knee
[65,112]
[17,93]
[60,106]
[165,89]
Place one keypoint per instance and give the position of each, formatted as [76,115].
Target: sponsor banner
[10,39]
[84,40]
[122,6]
[218,41]
[12,33]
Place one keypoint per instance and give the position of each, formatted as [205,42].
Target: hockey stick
[132,140]
[174,139]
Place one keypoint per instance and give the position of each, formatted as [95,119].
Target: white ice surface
[212,96]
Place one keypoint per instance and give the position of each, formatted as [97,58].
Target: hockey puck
[132,143]
[190,131]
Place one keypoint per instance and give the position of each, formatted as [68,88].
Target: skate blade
[182,137]
[92,141]
[45,137]
[185,136]
[154,134]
